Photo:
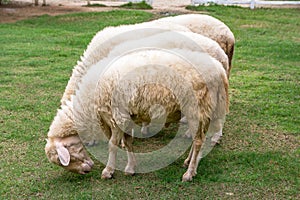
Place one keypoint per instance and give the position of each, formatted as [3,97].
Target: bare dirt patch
[22,10]
[19,10]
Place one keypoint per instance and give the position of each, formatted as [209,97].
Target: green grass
[140,5]
[95,5]
[259,154]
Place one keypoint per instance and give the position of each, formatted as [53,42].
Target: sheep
[98,49]
[60,146]
[212,104]
[209,27]
[171,39]
[210,87]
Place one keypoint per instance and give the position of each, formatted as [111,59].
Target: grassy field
[258,157]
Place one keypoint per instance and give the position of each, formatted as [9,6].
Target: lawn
[258,157]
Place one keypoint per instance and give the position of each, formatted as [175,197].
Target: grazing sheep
[209,27]
[94,100]
[64,147]
[98,49]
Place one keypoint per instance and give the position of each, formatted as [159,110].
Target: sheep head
[69,153]
[64,146]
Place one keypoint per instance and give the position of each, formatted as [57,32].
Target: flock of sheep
[181,63]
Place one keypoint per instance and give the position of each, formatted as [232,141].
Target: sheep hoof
[129,172]
[187,177]
[107,174]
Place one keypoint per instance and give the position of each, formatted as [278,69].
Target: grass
[259,154]
[140,5]
[95,5]
[130,5]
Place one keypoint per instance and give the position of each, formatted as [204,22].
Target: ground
[18,10]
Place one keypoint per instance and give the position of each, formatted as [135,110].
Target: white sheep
[63,135]
[99,48]
[169,40]
[209,85]
[209,27]
[94,99]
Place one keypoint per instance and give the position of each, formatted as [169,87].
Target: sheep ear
[63,155]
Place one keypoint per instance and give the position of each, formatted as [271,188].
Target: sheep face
[69,153]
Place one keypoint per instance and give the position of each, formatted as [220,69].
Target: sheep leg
[230,51]
[195,158]
[188,159]
[114,141]
[129,169]
[188,134]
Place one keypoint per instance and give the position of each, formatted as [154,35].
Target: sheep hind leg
[195,158]
[129,169]
[114,141]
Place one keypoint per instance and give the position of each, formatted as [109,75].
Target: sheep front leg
[114,141]
[129,169]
